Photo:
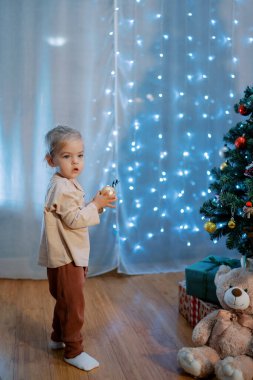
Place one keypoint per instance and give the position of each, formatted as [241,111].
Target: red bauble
[243,110]
[240,142]
[249,204]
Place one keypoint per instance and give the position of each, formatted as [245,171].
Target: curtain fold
[151,85]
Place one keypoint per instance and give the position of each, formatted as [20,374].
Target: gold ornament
[231,223]
[210,227]
[223,166]
[108,190]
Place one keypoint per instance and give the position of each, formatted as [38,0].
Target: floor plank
[132,327]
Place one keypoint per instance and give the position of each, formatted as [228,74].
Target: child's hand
[102,201]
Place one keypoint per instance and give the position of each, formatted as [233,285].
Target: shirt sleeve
[68,204]
[74,213]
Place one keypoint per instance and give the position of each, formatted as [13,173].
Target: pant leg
[52,275]
[66,286]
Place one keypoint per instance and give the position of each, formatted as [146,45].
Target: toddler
[64,247]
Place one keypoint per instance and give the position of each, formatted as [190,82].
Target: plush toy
[224,338]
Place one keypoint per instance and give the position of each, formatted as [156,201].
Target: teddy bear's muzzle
[237,298]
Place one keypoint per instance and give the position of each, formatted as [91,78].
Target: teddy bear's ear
[223,269]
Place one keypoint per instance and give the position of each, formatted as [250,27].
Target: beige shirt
[65,235]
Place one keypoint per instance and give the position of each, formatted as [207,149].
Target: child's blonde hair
[56,136]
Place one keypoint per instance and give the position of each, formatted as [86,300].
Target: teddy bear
[224,338]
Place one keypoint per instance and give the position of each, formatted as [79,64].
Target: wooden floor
[132,327]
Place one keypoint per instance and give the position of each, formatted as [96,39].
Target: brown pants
[66,286]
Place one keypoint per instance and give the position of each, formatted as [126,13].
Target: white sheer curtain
[151,85]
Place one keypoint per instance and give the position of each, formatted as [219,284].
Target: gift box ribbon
[216,262]
[224,261]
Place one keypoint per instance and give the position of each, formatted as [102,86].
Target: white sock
[83,361]
[56,345]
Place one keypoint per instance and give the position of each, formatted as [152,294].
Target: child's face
[69,159]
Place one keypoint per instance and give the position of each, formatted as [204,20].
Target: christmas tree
[230,212]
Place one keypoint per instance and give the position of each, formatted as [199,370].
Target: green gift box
[200,277]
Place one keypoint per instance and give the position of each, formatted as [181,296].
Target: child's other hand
[102,201]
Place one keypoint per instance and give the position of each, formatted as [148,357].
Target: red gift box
[192,308]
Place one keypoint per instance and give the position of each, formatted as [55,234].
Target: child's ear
[49,160]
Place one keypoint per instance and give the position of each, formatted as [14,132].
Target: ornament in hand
[110,190]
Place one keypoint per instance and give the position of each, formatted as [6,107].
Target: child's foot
[56,345]
[83,361]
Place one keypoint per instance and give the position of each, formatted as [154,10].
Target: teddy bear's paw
[188,362]
[225,370]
